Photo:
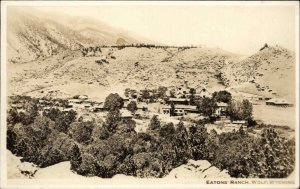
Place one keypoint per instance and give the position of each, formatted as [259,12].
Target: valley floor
[275,115]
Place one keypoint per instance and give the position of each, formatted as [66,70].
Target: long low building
[279,102]
[179,110]
[182,101]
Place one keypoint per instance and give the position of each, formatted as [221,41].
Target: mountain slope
[269,72]
[33,34]
[128,67]
[50,48]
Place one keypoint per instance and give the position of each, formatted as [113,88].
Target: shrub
[132,106]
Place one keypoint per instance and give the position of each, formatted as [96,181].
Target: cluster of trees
[95,49]
[147,95]
[147,45]
[42,139]
[236,110]
[261,157]
[105,148]
[162,147]
[90,50]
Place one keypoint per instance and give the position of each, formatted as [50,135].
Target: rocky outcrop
[197,170]
[17,169]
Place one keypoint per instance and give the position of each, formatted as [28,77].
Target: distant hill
[120,68]
[269,72]
[50,51]
[32,34]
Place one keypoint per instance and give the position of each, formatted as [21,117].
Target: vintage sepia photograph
[149,94]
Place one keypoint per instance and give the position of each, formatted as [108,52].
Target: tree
[12,116]
[41,128]
[81,131]
[172,93]
[181,141]
[132,106]
[88,165]
[75,157]
[11,138]
[146,94]
[167,130]
[112,120]
[192,96]
[161,91]
[31,111]
[100,132]
[207,106]
[238,110]
[172,109]
[154,123]
[247,110]
[198,137]
[113,101]
[265,46]
[222,96]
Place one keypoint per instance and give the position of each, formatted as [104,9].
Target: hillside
[129,67]
[269,72]
[45,57]
[33,35]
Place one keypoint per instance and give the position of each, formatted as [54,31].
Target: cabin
[240,122]
[279,102]
[99,108]
[202,92]
[87,106]
[69,105]
[141,107]
[82,97]
[221,108]
[75,101]
[67,109]
[182,101]
[250,97]
[126,115]
[181,92]
[139,113]
[47,109]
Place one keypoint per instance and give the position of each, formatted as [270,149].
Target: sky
[239,29]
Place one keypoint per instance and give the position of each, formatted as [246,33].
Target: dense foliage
[206,106]
[113,147]
[113,101]
[222,96]
[240,110]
